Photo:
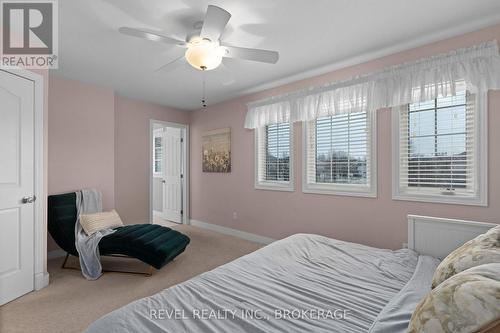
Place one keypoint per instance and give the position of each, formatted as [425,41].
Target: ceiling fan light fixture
[204,54]
[204,50]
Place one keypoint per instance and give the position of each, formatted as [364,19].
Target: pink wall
[132,154]
[377,221]
[81,138]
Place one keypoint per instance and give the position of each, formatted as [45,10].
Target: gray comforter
[304,283]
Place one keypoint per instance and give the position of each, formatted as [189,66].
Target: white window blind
[273,152]
[339,154]
[158,152]
[437,146]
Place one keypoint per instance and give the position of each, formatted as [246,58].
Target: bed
[303,283]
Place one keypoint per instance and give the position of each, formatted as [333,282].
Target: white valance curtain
[478,67]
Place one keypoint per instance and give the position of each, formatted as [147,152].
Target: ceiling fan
[204,50]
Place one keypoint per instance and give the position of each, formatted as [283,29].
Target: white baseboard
[56,254]
[232,232]
[41,280]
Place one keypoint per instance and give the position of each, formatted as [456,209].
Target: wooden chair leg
[65,260]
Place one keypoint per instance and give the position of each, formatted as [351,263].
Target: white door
[172,182]
[16,183]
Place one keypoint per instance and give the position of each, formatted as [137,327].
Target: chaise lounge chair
[153,244]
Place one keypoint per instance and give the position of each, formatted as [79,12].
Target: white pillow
[92,223]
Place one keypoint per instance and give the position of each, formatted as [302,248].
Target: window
[340,155]
[438,159]
[158,152]
[274,157]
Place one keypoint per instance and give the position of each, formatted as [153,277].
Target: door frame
[41,276]
[185,167]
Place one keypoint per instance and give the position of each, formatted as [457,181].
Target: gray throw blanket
[89,201]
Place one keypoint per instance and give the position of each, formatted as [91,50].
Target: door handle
[26,200]
[163,181]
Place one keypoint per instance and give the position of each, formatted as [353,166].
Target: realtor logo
[29,34]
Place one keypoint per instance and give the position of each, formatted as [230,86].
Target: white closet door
[16,183]
[172,185]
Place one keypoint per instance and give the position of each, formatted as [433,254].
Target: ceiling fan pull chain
[203,96]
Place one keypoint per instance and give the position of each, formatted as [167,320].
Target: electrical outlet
[405,245]
[235,216]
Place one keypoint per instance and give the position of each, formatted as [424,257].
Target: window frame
[480,164]
[158,133]
[287,186]
[352,190]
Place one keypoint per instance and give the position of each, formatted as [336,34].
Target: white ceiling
[310,35]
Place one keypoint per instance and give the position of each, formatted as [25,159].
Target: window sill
[348,192]
[442,199]
[285,187]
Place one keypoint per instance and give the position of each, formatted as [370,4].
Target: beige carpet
[70,303]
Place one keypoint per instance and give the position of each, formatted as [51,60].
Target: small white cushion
[92,223]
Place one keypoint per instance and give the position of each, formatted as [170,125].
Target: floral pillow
[468,302]
[483,249]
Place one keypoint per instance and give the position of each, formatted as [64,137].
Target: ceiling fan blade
[176,63]
[215,21]
[252,54]
[150,35]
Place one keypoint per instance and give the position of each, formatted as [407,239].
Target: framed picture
[216,150]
